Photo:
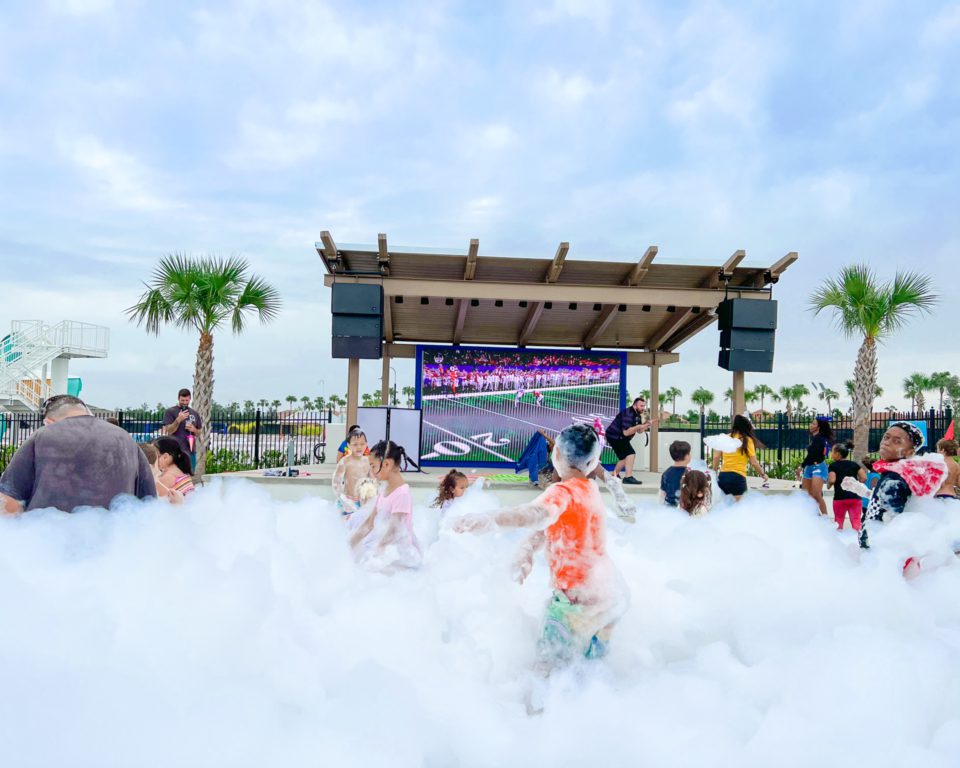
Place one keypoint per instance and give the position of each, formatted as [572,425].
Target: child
[452,486]
[845,503]
[872,478]
[901,475]
[173,478]
[671,477]
[390,522]
[948,449]
[568,518]
[344,447]
[351,470]
[695,493]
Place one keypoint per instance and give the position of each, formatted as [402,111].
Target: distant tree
[940,381]
[276,405]
[914,387]
[248,407]
[761,392]
[672,394]
[320,403]
[410,393]
[291,399]
[799,392]
[829,395]
[702,397]
[262,404]
[306,402]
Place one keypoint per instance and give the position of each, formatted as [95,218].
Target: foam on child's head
[577,447]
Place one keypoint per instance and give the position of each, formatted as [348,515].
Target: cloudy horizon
[132,130]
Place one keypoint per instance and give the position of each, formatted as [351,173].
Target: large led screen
[482,405]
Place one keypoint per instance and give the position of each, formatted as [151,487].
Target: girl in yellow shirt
[732,478]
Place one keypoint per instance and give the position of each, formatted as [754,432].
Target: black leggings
[732,483]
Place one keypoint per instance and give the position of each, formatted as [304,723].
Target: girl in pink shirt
[385,540]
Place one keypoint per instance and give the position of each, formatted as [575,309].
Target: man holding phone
[619,433]
[183,423]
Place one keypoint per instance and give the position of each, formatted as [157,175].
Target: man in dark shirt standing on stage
[183,423]
[625,425]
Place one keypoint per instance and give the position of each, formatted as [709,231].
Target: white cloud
[565,90]
[597,12]
[81,7]
[944,28]
[122,180]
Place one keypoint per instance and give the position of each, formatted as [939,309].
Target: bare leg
[628,464]
[816,492]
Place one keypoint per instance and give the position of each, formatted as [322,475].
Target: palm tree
[913,387]
[953,392]
[829,395]
[867,309]
[320,402]
[799,392]
[306,402]
[410,393]
[702,397]
[785,394]
[204,294]
[728,394]
[877,390]
[940,381]
[672,394]
[262,404]
[762,391]
[275,404]
[248,406]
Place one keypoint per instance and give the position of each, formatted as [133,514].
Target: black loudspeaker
[748,314]
[746,360]
[357,311]
[357,299]
[356,347]
[747,334]
[755,341]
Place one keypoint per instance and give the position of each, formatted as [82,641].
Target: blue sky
[133,129]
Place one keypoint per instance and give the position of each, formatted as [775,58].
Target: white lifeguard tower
[35,360]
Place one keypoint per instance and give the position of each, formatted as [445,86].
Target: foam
[237,631]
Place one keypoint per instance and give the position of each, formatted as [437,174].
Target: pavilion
[646,309]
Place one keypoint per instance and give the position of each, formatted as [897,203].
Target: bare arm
[339,481]
[755,463]
[535,514]
[715,461]
[364,528]
[9,505]
[831,479]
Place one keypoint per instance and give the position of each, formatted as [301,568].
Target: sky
[130,130]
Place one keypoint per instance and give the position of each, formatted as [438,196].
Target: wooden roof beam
[328,253]
[691,329]
[530,324]
[639,271]
[557,266]
[462,305]
[388,319]
[383,255]
[726,271]
[599,325]
[471,269]
[668,328]
[772,275]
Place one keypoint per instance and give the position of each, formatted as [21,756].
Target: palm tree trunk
[864,387]
[203,396]
[921,402]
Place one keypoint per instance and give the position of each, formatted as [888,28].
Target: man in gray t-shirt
[75,460]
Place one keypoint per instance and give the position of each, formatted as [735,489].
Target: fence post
[779,438]
[120,419]
[256,440]
[703,430]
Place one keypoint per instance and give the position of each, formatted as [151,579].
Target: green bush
[225,460]
[6,453]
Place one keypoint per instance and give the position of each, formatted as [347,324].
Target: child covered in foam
[589,596]
[350,475]
[384,540]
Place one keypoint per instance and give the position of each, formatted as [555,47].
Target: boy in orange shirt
[589,595]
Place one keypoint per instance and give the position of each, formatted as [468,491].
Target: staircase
[35,350]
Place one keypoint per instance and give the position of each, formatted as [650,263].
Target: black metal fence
[785,437]
[237,441]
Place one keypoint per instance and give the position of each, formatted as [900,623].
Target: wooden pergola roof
[466,298]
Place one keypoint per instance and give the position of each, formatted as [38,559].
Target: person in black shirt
[183,423]
[619,432]
[814,465]
[672,476]
[845,503]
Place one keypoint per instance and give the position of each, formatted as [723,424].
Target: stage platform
[316,479]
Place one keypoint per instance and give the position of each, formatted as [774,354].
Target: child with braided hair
[385,539]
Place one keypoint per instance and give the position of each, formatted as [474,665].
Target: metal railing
[254,440]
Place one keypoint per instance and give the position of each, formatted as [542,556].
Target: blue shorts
[816,470]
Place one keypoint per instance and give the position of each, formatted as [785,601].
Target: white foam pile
[237,631]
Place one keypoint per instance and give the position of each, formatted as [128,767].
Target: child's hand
[522,567]
[475,522]
[627,514]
